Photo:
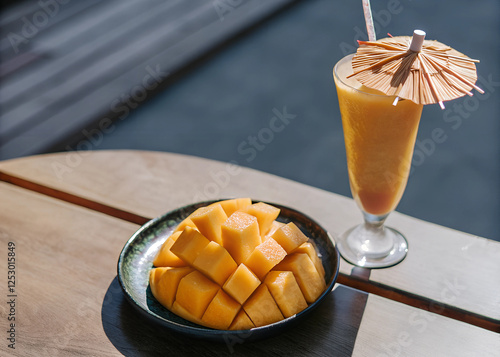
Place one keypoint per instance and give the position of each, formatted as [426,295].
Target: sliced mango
[240,235]
[215,262]
[189,244]
[241,284]
[241,322]
[264,257]
[195,292]
[310,282]
[289,237]
[309,249]
[165,258]
[221,311]
[208,220]
[286,292]
[231,206]
[261,307]
[265,214]
[164,282]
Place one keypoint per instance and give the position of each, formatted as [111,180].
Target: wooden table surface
[70,214]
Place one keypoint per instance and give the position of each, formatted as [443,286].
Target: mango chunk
[240,235]
[261,307]
[264,257]
[185,223]
[164,282]
[289,237]
[309,249]
[208,220]
[241,322]
[241,284]
[184,313]
[310,282]
[221,311]
[215,262]
[189,244]
[195,292]
[286,292]
[265,215]
[231,206]
[274,227]
[165,258]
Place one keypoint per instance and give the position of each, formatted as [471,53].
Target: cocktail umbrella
[413,68]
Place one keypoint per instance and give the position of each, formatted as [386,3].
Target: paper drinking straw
[370,29]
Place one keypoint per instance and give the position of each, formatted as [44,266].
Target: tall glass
[379,141]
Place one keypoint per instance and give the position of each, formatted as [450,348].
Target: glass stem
[378,240]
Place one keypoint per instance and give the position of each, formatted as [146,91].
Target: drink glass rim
[346,58]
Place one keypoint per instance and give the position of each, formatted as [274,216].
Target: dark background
[284,62]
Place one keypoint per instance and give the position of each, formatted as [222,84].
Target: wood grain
[69,302]
[65,260]
[446,271]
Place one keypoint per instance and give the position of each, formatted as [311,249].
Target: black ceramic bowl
[136,260]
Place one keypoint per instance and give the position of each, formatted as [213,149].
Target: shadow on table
[329,330]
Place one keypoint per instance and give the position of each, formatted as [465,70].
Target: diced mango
[189,244]
[265,215]
[164,282]
[221,311]
[215,262]
[286,292]
[310,282]
[240,235]
[261,307]
[241,284]
[309,249]
[264,257]
[274,227]
[289,237]
[241,322]
[195,292]
[184,313]
[185,223]
[231,206]
[165,258]
[208,220]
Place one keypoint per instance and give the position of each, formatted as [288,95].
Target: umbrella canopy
[413,68]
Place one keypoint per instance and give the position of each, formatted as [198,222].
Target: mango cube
[165,258]
[310,282]
[309,249]
[274,227]
[164,282]
[289,237]
[184,313]
[231,206]
[185,223]
[265,215]
[208,220]
[241,284]
[261,307]
[221,311]
[231,265]
[195,292]
[264,257]
[189,244]
[215,262]
[286,292]
[241,322]
[240,235]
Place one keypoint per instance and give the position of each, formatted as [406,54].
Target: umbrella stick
[370,28]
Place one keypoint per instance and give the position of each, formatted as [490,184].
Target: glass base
[369,248]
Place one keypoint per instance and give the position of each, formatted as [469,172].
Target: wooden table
[70,214]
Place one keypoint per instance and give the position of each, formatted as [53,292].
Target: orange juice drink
[379,140]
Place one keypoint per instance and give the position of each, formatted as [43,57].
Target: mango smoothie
[379,141]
